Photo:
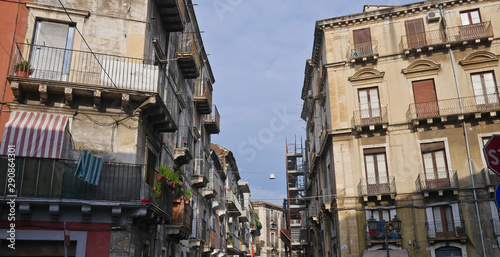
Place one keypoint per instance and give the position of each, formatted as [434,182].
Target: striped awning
[35,134]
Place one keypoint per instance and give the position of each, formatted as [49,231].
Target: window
[49,58]
[485,89]
[415,33]
[376,170]
[369,103]
[380,215]
[435,165]
[362,42]
[443,220]
[424,94]
[470,17]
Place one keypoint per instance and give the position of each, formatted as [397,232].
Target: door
[377,181]
[362,42]
[485,91]
[471,25]
[425,99]
[435,166]
[443,219]
[369,105]
[415,33]
[50,59]
[448,251]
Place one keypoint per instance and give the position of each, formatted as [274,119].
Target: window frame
[469,16]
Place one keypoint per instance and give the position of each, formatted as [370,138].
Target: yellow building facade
[399,103]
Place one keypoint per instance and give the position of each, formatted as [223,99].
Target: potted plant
[460,230]
[168,176]
[230,239]
[252,224]
[23,69]
[187,195]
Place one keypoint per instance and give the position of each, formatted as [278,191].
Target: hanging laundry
[89,168]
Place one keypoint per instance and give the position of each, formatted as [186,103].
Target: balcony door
[415,33]
[485,90]
[50,59]
[369,104]
[472,27]
[424,94]
[377,181]
[435,165]
[362,42]
[443,221]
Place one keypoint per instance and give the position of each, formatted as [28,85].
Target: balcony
[180,227]
[172,13]
[363,52]
[188,57]
[446,231]
[244,216]
[377,236]
[200,176]
[85,80]
[212,121]
[370,119]
[490,179]
[203,96]
[54,180]
[437,181]
[377,187]
[235,248]
[184,149]
[234,205]
[457,108]
[460,35]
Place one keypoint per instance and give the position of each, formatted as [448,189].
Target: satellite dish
[271,176]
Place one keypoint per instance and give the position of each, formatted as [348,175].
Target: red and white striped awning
[35,134]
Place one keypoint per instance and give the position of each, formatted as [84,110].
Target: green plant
[187,194]
[252,224]
[24,66]
[167,172]
[157,190]
[460,229]
[230,239]
[259,225]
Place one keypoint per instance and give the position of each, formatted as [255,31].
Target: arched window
[448,251]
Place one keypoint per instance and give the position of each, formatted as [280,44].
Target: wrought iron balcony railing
[234,203]
[212,121]
[496,226]
[52,178]
[188,57]
[370,117]
[490,178]
[452,35]
[447,230]
[363,51]
[378,235]
[440,180]
[73,67]
[455,106]
[377,186]
[203,96]
[182,215]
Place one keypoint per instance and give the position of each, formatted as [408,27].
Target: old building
[399,103]
[124,84]
[272,220]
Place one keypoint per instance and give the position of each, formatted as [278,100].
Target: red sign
[492,154]
[66,233]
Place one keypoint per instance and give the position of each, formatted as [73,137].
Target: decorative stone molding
[367,75]
[422,67]
[479,59]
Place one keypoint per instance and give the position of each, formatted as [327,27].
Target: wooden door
[415,33]
[362,42]
[425,98]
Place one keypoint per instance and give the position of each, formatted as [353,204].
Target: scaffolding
[295,204]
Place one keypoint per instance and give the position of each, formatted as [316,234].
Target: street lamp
[373,225]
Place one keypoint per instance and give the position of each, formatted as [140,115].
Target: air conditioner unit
[433,16]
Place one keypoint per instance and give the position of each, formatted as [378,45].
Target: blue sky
[257,50]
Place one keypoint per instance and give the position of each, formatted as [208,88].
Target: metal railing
[439,180]
[370,117]
[377,186]
[103,70]
[187,47]
[455,106]
[233,199]
[363,50]
[203,90]
[447,229]
[52,178]
[185,138]
[202,167]
[490,178]
[213,117]
[451,35]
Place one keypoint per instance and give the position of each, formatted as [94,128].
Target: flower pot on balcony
[177,200]
[186,201]
[22,73]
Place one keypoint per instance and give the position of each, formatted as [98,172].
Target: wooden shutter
[362,35]
[425,98]
[415,33]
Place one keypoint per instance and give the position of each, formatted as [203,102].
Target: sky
[257,50]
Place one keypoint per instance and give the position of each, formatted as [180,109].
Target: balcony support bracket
[42,91]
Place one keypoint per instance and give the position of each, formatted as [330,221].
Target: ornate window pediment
[479,59]
[422,67]
[367,75]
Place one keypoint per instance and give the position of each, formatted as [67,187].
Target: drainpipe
[466,138]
